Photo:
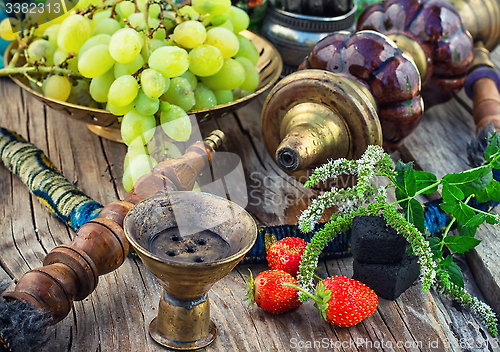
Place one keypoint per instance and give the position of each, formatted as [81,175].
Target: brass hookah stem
[71,272]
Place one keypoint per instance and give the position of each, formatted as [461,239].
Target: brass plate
[105,124]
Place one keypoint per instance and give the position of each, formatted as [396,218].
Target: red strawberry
[286,254]
[345,302]
[268,292]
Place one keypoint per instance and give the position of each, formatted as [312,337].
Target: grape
[136,125]
[125,45]
[96,40]
[223,39]
[41,50]
[150,46]
[188,13]
[205,98]
[145,105]
[223,96]
[60,56]
[120,111]
[247,49]
[135,148]
[128,68]
[99,86]
[239,18]
[137,20]
[170,61]
[251,75]
[138,166]
[154,11]
[153,83]
[80,94]
[227,25]
[125,8]
[176,123]
[95,61]
[74,32]
[51,33]
[180,93]
[123,91]
[192,79]
[190,34]
[6,30]
[57,87]
[205,60]
[170,151]
[106,26]
[100,15]
[217,20]
[213,7]
[229,77]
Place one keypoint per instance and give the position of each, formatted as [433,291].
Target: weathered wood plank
[117,315]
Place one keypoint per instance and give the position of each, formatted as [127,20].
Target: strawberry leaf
[250,287]
[323,296]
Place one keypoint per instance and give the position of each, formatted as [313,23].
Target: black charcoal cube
[388,280]
[372,241]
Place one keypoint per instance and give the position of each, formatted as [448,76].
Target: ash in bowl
[201,247]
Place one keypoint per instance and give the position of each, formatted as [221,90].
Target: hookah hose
[74,208]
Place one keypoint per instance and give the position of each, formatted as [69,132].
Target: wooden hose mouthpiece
[482,86]
[71,272]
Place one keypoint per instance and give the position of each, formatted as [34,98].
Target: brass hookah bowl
[369,87]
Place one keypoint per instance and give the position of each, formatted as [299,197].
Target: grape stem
[7,71]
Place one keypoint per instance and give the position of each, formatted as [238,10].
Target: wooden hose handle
[70,272]
[486,103]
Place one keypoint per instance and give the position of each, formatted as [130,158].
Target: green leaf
[460,244]
[446,261]
[493,151]
[400,195]
[491,192]
[446,207]
[492,219]
[476,220]
[435,245]
[414,213]
[467,231]
[462,212]
[405,178]
[451,194]
[417,212]
[426,179]
[471,181]
[453,270]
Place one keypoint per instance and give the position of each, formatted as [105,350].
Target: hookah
[370,87]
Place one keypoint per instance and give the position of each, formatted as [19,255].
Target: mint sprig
[406,215]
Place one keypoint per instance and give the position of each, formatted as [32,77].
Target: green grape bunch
[149,62]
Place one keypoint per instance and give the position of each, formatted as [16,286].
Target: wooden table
[115,317]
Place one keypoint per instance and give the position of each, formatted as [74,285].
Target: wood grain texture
[117,314]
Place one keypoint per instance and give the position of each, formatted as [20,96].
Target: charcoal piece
[372,241]
[388,280]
